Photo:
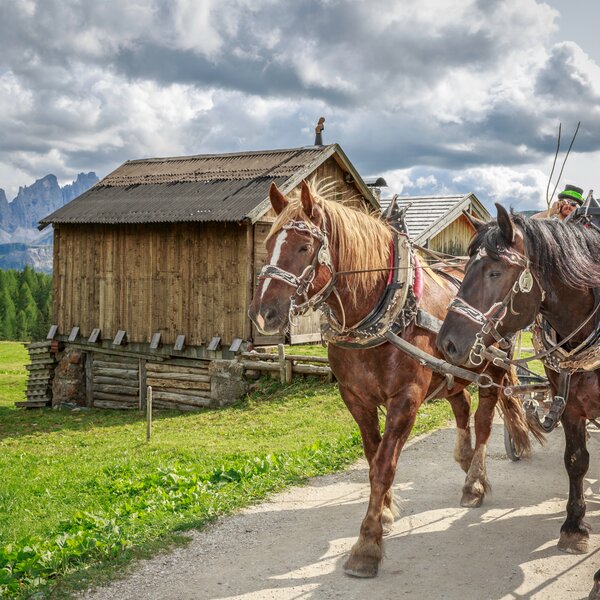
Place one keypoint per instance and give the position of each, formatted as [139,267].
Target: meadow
[83,492]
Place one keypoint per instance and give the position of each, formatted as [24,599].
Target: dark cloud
[85,85]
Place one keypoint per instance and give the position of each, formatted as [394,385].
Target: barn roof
[428,215]
[209,187]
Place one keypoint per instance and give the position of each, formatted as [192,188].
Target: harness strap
[437,364]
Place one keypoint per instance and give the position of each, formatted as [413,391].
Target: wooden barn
[439,223]
[156,264]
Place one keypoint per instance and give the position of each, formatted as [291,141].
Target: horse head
[298,262]
[499,294]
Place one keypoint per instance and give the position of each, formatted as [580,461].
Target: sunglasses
[571,203]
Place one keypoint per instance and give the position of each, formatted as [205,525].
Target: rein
[304,281]
[492,318]
[397,302]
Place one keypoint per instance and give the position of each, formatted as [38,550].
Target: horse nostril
[450,348]
[269,314]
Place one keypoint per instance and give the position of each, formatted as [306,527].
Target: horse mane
[555,249]
[361,240]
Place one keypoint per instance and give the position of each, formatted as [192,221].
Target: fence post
[149,414]
[281,352]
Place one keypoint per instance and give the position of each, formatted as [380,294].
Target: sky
[438,96]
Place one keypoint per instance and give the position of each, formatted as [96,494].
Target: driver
[568,200]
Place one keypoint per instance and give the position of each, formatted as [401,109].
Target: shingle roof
[428,215]
[210,187]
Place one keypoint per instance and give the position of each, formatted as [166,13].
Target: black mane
[568,251]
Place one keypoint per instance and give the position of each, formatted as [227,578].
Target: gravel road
[293,546]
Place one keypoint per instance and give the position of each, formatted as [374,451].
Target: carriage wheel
[509,446]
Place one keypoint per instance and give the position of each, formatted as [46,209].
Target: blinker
[525,281]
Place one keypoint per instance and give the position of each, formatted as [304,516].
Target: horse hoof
[469,500]
[573,543]
[363,567]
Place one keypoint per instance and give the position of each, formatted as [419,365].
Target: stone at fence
[68,386]
[227,383]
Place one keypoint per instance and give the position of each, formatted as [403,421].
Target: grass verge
[84,491]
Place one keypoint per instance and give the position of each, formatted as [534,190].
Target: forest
[25,304]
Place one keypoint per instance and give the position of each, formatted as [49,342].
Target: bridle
[492,318]
[300,303]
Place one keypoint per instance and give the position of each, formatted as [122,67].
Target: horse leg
[367,419]
[461,407]
[574,533]
[476,482]
[367,552]
[595,593]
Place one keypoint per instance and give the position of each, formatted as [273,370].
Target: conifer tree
[8,315]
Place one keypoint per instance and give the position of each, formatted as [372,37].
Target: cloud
[519,189]
[405,87]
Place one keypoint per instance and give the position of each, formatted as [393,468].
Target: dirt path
[293,547]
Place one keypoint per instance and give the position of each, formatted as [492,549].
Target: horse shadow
[506,549]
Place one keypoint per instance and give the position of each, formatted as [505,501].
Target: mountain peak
[39,199]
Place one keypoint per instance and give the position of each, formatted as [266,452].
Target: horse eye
[305,248]
[494,274]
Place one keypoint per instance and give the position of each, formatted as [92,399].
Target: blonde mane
[360,240]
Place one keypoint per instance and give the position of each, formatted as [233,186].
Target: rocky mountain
[40,199]
[20,240]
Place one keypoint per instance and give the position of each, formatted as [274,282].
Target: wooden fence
[286,364]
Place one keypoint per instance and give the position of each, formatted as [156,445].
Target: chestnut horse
[312,238]
[520,268]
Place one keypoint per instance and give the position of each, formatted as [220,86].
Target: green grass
[84,488]
[527,350]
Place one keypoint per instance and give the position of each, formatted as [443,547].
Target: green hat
[572,192]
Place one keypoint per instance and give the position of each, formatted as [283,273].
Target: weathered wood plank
[311,370]
[273,356]
[179,392]
[172,368]
[40,376]
[260,365]
[115,381]
[177,384]
[142,384]
[35,345]
[129,374]
[36,393]
[89,384]
[41,403]
[117,390]
[184,377]
[129,363]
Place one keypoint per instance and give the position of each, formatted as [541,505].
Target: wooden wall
[191,279]
[454,239]
[173,278]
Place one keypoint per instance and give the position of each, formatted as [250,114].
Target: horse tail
[516,421]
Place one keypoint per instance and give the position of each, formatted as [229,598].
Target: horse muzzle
[269,320]
[455,345]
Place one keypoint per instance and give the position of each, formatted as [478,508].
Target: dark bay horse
[313,237]
[520,268]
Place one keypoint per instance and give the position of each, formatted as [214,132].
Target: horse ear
[505,224]
[278,200]
[306,199]
[477,223]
